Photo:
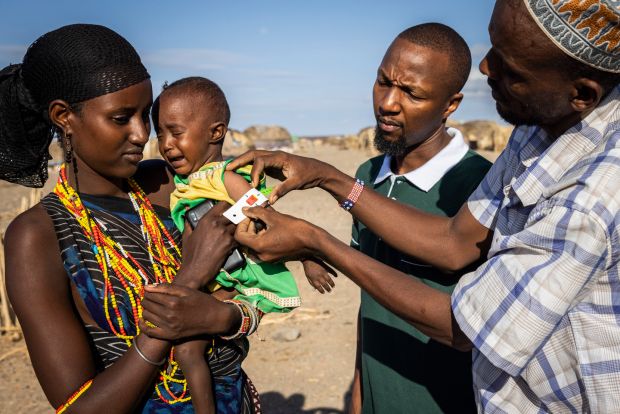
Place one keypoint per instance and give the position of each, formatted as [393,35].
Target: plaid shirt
[543,312]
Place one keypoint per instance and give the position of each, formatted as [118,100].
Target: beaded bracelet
[144,357]
[250,318]
[74,396]
[351,199]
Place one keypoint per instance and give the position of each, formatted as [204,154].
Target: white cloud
[478,51]
[270,73]
[476,85]
[12,53]
[475,75]
[194,58]
[285,104]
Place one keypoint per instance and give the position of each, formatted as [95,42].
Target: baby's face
[182,132]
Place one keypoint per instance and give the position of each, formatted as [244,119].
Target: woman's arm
[40,293]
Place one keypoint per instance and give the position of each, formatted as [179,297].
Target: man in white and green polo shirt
[398,368]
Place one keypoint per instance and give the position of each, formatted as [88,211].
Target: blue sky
[306,65]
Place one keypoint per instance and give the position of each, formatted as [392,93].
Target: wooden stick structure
[5,311]
[8,322]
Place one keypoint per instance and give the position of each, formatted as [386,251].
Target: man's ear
[218,132]
[586,94]
[59,112]
[453,103]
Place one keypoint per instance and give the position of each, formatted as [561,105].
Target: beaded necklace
[114,259]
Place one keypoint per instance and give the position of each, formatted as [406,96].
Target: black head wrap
[74,63]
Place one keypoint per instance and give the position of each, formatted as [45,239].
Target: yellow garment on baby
[207,182]
[268,286]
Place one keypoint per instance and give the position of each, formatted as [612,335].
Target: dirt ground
[311,374]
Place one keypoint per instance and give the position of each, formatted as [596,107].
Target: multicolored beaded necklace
[164,255]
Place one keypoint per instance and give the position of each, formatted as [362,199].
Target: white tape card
[252,198]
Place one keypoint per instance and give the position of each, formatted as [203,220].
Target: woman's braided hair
[74,63]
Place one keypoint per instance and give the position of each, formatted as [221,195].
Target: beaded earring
[66,141]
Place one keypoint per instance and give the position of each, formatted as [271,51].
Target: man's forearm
[447,243]
[426,308]
[335,182]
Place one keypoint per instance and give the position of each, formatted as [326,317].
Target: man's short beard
[393,148]
[517,119]
[535,112]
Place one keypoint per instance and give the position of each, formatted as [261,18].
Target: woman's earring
[68,148]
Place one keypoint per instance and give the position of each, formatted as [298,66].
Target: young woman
[99,256]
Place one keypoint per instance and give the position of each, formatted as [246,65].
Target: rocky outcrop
[366,136]
[485,135]
[258,133]
[271,137]
[151,149]
[363,140]
[304,145]
[481,135]
[236,143]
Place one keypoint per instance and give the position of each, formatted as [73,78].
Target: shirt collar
[544,173]
[429,174]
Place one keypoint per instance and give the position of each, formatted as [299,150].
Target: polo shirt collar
[544,172]
[429,174]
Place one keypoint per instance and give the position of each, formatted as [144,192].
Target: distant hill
[481,135]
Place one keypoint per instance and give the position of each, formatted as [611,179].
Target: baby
[191,120]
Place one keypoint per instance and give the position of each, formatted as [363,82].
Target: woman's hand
[295,172]
[284,237]
[206,249]
[177,312]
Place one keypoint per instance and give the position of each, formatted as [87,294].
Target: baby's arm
[192,358]
[236,185]
[319,275]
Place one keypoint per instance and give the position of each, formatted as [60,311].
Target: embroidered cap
[587,30]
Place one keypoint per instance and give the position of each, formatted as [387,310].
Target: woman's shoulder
[156,178]
[32,255]
[153,171]
[32,228]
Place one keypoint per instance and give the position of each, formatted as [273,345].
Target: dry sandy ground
[311,374]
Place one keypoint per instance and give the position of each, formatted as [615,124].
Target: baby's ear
[218,132]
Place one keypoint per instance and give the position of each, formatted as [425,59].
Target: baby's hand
[191,352]
[319,274]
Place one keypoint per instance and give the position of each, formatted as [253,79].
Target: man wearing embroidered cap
[542,313]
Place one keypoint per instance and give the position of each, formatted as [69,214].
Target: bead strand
[113,259]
